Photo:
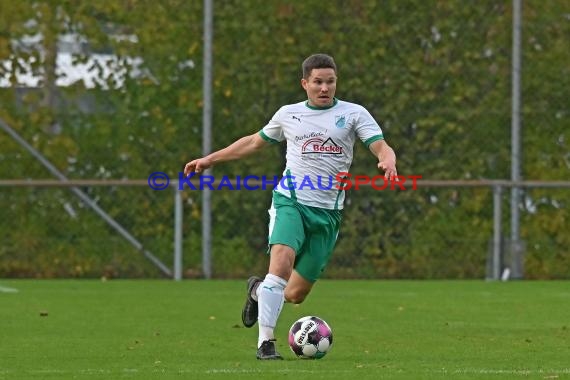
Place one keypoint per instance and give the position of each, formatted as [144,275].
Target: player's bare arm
[241,148]
[386,158]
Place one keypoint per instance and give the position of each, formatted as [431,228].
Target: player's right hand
[197,166]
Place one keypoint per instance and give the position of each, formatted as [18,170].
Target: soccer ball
[310,338]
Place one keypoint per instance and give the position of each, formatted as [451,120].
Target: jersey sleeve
[273,131]
[367,129]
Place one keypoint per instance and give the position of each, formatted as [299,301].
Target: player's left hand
[389,169]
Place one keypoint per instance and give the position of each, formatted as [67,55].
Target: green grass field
[192,330]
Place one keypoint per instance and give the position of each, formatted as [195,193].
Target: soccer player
[305,215]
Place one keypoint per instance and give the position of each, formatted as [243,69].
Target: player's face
[320,87]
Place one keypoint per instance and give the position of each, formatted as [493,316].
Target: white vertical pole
[515,246]
[207,137]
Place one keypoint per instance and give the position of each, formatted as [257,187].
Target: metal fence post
[497,243]
[516,253]
[177,234]
[207,136]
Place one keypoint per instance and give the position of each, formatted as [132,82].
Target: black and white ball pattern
[310,337]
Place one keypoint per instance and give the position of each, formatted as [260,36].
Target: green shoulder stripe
[267,138]
[372,139]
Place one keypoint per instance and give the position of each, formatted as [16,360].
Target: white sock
[270,295]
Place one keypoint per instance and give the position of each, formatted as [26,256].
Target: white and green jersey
[320,144]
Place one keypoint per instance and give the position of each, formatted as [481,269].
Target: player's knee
[295,296]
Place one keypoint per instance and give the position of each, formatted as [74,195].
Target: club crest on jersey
[340,121]
[318,146]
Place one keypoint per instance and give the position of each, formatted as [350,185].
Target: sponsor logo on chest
[321,147]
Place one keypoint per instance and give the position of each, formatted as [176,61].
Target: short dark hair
[317,61]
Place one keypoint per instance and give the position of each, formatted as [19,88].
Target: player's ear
[304,83]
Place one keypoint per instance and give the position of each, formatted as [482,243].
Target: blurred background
[107,92]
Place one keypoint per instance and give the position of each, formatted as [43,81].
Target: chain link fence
[110,91]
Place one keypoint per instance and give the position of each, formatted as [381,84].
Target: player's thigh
[286,226]
[297,288]
[316,253]
[322,228]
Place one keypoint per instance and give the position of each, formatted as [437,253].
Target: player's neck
[313,107]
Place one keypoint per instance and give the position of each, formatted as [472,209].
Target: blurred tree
[435,74]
